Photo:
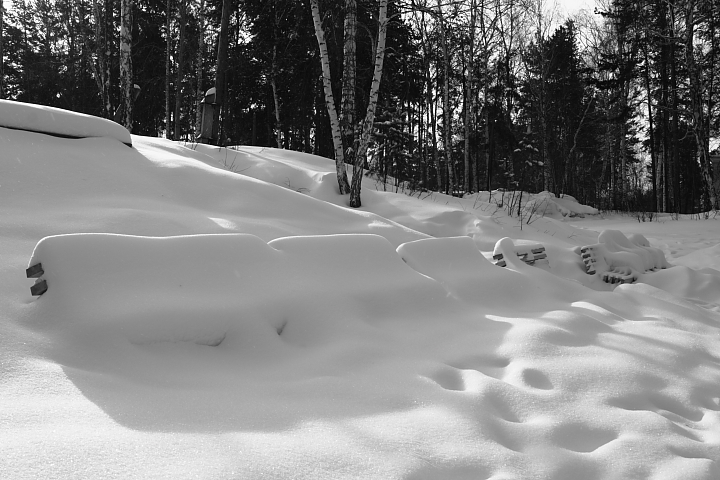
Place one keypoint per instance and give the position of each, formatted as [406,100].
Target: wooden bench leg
[35,271]
[39,288]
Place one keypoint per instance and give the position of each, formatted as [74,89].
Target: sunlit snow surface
[59,122]
[207,323]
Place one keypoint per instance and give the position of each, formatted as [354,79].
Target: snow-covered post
[206,132]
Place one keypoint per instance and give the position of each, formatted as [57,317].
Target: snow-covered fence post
[208,128]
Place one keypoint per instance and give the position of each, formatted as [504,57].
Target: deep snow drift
[207,323]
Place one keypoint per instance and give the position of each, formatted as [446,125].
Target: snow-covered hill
[220,313]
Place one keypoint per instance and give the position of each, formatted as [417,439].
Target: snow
[59,122]
[216,313]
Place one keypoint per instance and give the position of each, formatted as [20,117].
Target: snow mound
[546,204]
[236,327]
[636,249]
[155,289]
[702,287]
[59,122]
[703,258]
[569,206]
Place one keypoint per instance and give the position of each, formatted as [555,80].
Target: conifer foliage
[618,107]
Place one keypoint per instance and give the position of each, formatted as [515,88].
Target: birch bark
[343,183]
[372,103]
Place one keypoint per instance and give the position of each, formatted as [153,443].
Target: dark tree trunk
[220,82]
[182,6]
[126,76]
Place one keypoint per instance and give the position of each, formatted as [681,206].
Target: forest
[617,107]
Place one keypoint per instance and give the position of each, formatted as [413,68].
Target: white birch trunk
[372,103]
[343,184]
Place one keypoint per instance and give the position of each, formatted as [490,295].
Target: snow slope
[207,323]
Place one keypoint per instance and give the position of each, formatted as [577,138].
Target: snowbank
[548,205]
[225,326]
[59,122]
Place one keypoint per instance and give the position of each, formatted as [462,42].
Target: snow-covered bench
[620,259]
[58,122]
[530,253]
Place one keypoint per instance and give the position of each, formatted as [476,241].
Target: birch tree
[367,125]
[360,144]
[343,183]
[276,97]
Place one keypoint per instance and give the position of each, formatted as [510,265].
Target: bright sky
[572,6]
